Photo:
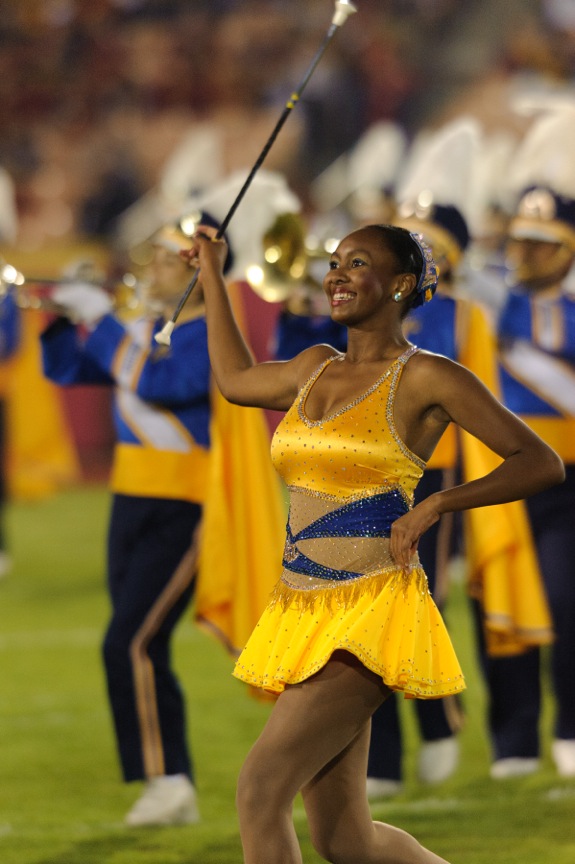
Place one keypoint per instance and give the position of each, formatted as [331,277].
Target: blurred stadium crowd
[99,99]
[114,112]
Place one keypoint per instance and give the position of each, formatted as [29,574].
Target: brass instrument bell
[35,293]
[285,275]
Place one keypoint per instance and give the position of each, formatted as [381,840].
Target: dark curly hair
[404,247]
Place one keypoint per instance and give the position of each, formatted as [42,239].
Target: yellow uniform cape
[243,525]
[503,570]
[41,455]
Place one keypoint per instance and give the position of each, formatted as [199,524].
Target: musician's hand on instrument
[82,303]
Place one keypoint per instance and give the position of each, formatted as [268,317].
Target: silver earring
[397,296]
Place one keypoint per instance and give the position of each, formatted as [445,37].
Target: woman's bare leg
[341,826]
[317,732]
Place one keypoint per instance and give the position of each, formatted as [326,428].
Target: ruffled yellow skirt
[389,621]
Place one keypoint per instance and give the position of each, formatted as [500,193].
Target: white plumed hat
[435,191]
[542,178]
[441,164]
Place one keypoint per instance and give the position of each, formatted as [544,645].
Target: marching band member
[159,481]
[439,198]
[439,327]
[536,332]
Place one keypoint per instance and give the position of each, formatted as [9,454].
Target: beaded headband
[427,282]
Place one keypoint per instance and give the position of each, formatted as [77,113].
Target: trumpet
[36,292]
[288,272]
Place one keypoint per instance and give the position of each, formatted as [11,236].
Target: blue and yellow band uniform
[537,364]
[440,327]
[159,479]
[350,476]
[502,569]
[536,354]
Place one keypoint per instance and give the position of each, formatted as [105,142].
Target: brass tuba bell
[285,274]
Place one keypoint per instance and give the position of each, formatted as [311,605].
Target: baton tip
[164,336]
[343,9]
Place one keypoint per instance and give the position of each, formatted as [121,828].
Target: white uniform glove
[82,303]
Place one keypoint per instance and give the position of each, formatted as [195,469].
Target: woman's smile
[341,296]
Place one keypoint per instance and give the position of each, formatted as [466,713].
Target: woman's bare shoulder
[435,374]
[426,363]
[308,360]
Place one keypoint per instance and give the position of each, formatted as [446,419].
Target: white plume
[545,156]
[490,185]
[443,164]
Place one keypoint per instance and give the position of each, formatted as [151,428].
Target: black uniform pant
[514,684]
[437,718]
[151,568]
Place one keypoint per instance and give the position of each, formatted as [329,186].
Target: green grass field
[61,798]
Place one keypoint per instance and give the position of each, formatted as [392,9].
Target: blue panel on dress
[365,517]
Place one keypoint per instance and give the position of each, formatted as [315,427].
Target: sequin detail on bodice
[350,477]
[353,452]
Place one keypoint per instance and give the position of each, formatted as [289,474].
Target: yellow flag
[243,525]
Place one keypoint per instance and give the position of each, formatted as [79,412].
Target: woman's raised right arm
[239,377]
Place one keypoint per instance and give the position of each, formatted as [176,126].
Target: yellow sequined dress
[350,476]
